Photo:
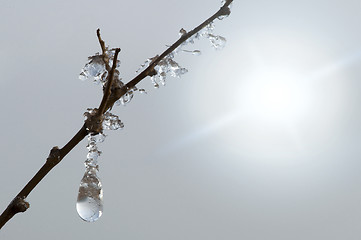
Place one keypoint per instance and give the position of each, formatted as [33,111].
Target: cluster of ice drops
[90,196]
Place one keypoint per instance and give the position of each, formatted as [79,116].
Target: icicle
[89,203]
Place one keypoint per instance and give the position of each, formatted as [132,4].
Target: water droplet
[141,90]
[218,42]
[83,76]
[89,204]
[196,52]
[111,122]
[154,81]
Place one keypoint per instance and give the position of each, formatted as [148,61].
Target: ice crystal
[94,69]
[110,55]
[93,152]
[194,52]
[111,122]
[89,203]
[142,91]
[218,42]
[127,97]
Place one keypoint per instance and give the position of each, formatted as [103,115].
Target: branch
[104,49]
[56,155]
[149,71]
[107,91]
[110,96]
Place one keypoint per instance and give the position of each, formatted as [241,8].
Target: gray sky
[257,141]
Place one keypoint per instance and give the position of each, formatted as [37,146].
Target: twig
[110,96]
[149,71]
[104,50]
[109,83]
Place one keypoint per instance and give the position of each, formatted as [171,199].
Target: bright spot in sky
[274,95]
[277,102]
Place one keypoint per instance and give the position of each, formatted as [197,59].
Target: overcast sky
[257,141]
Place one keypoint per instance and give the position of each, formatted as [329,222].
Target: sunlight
[275,95]
[284,100]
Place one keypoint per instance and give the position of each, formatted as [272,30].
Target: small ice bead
[89,203]
[154,81]
[98,138]
[83,76]
[111,122]
[93,154]
[196,52]
[91,146]
[218,42]
[162,78]
[96,69]
[142,91]
[179,72]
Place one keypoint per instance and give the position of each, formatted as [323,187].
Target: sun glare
[274,95]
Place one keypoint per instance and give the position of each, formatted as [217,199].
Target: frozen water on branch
[218,42]
[94,69]
[111,122]
[90,195]
[89,203]
[168,66]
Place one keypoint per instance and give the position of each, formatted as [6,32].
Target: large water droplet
[90,197]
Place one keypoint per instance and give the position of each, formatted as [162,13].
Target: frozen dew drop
[98,138]
[89,204]
[162,78]
[141,90]
[154,81]
[112,122]
[96,68]
[126,98]
[196,52]
[208,29]
[218,42]
[83,76]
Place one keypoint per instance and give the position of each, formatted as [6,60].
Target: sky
[257,141]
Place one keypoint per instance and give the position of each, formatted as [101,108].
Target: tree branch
[109,83]
[149,71]
[18,204]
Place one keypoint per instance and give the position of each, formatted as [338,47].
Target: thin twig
[109,83]
[104,50]
[18,204]
[150,69]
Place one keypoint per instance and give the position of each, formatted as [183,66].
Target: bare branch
[110,96]
[104,50]
[149,71]
[109,82]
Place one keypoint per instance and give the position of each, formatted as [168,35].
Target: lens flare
[275,95]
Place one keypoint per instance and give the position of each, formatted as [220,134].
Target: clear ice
[111,122]
[218,42]
[89,204]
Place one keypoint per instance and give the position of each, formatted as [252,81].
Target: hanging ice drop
[89,204]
